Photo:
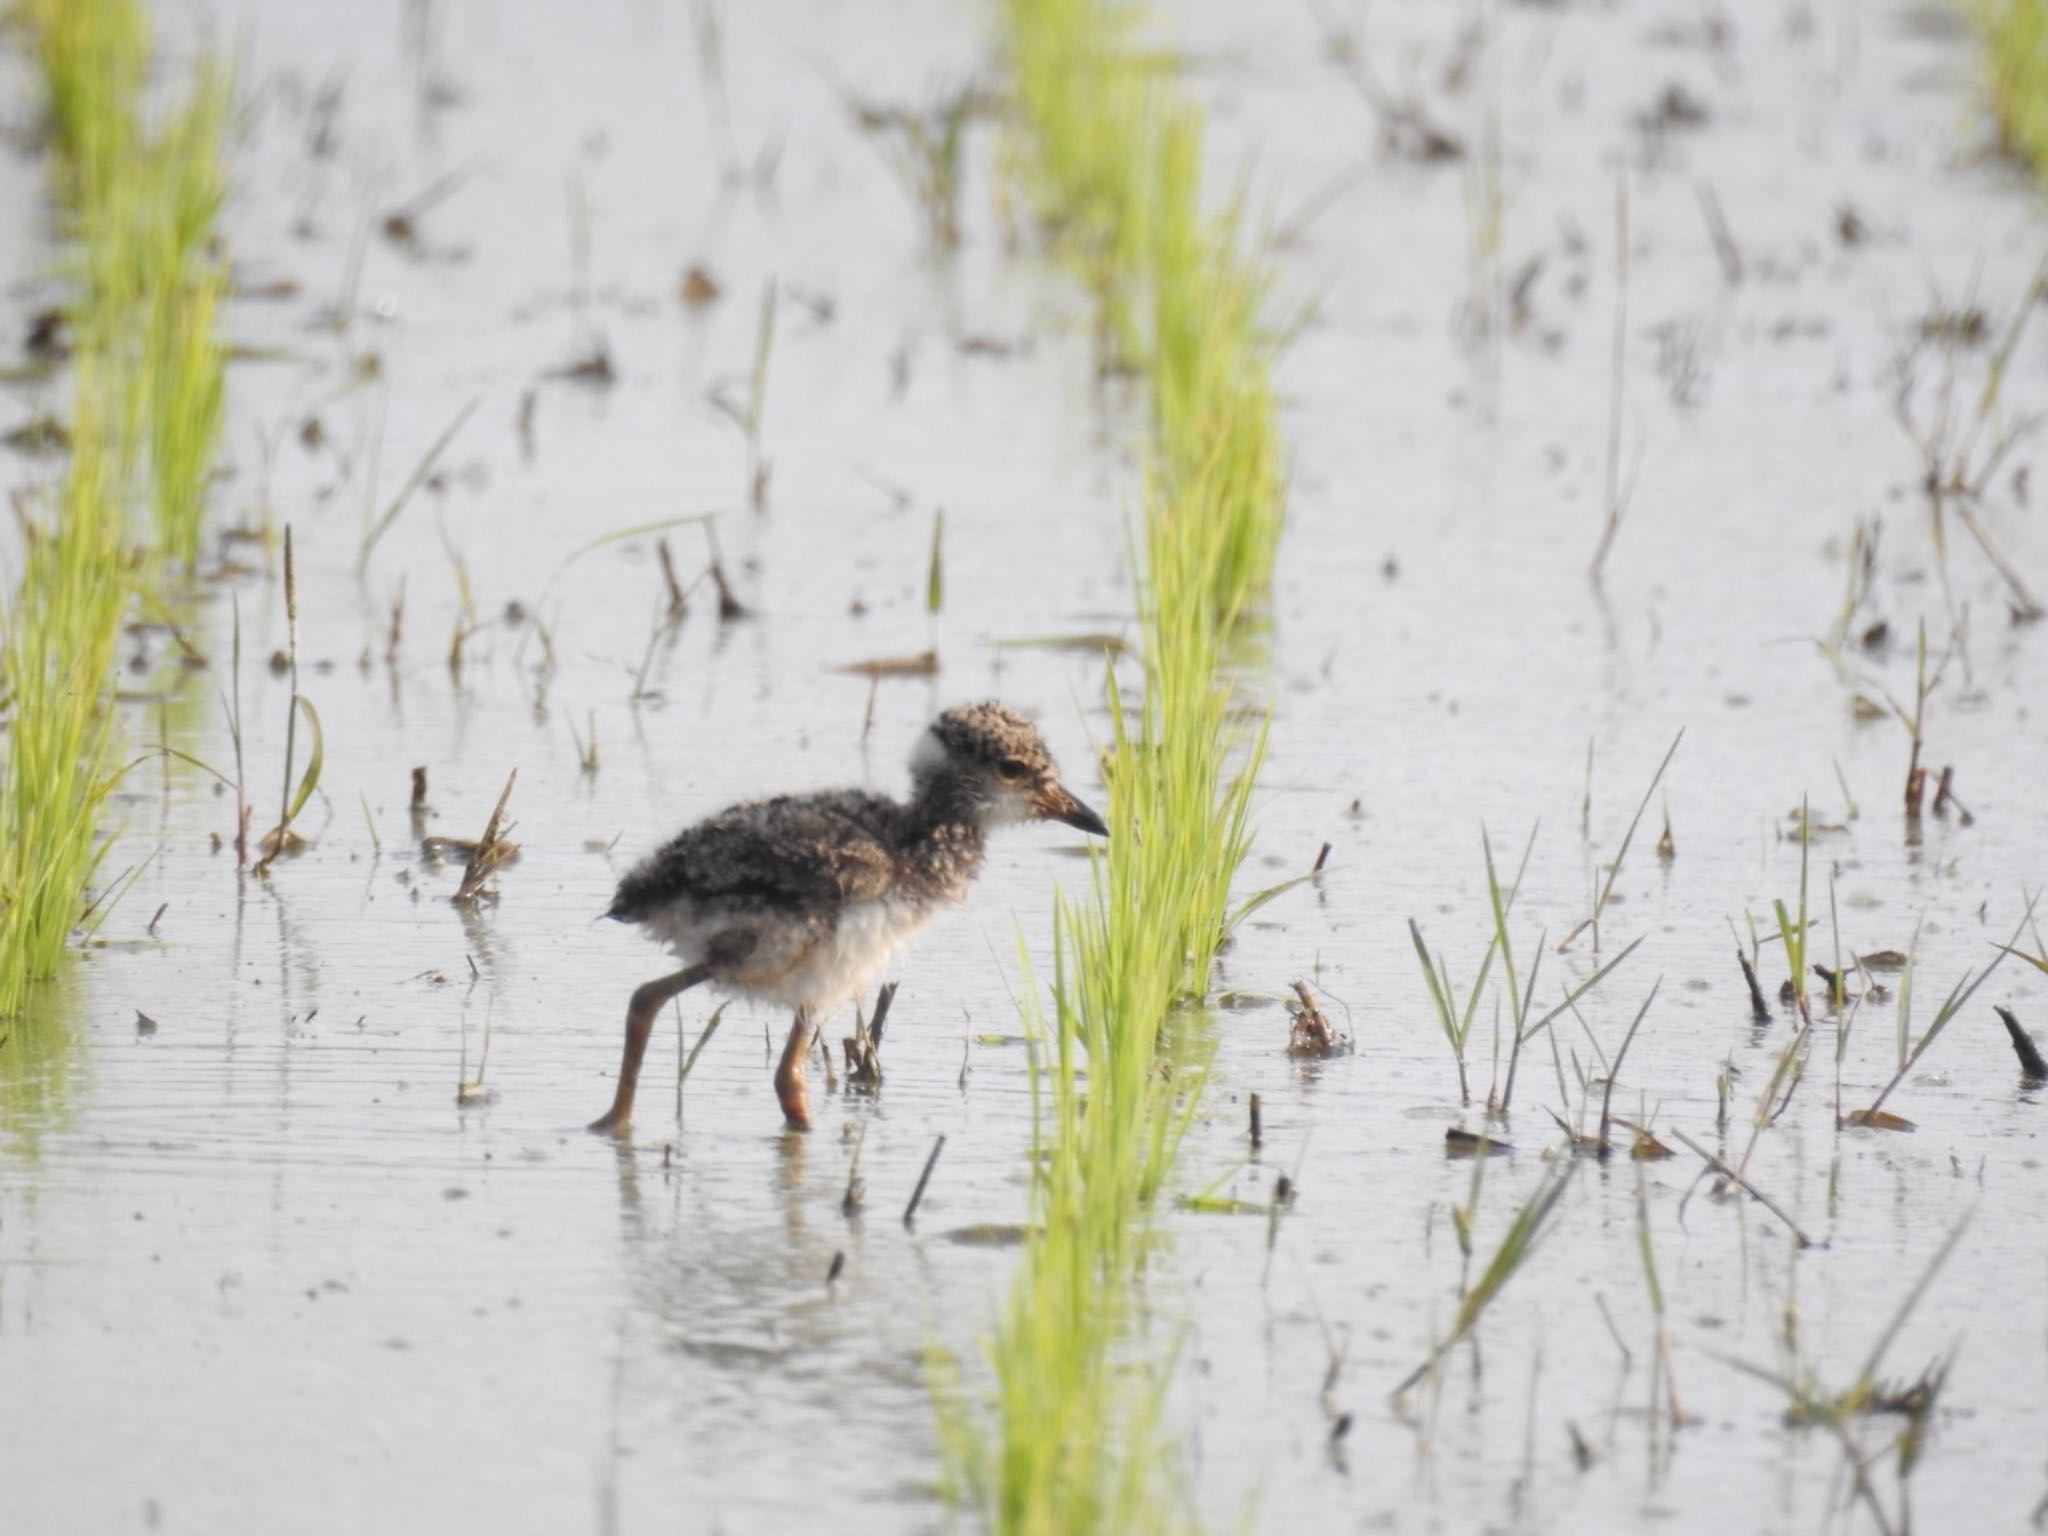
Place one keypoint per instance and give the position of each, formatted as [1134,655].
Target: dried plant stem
[1733,1177]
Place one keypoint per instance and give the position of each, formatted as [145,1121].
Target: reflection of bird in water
[797,900]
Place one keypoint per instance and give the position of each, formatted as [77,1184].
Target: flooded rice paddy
[282,1246]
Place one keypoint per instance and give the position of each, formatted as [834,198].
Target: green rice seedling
[1845,1018]
[1619,491]
[184,161]
[1090,104]
[1793,935]
[586,746]
[1517,1244]
[1212,392]
[1462,1219]
[1660,1356]
[1965,987]
[57,661]
[688,1060]
[414,481]
[1607,1098]
[231,707]
[147,375]
[1436,974]
[183,361]
[2015,39]
[92,55]
[934,581]
[36,1066]
[1072,1449]
[1524,1034]
[188,388]
[756,417]
[1521,993]
[1860,581]
[1837,986]
[281,838]
[1790,1069]
[471,1089]
[1850,812]
[1614,869]
[1486,300]
[711,74]
[1517,1008]
[750,415]
[1115,163]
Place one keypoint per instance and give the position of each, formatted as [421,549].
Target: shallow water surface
[260,1267]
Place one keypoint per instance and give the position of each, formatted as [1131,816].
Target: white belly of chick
[839,963]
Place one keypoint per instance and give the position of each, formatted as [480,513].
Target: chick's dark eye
[1010,770]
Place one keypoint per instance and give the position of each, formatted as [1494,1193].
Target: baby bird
[799,899]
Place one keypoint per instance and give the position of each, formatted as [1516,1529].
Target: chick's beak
[1054,803]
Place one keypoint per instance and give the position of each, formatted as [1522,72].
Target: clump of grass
[1074,1444]
[1115,162]
[187,366]
[153,283]
[92,55]
[148,376]
[2015,37]
[1212,390]
[184,362]
[58,658]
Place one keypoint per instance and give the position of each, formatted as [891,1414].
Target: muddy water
[258,1265]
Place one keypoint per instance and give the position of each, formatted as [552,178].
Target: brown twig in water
[2023,1045]
[885,995]
[730,607]
[1758,1008]
[1945,796]
[864,1047]
[678,605]
[1407,129]
[856,1187]
[396,635]
[917,1194]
